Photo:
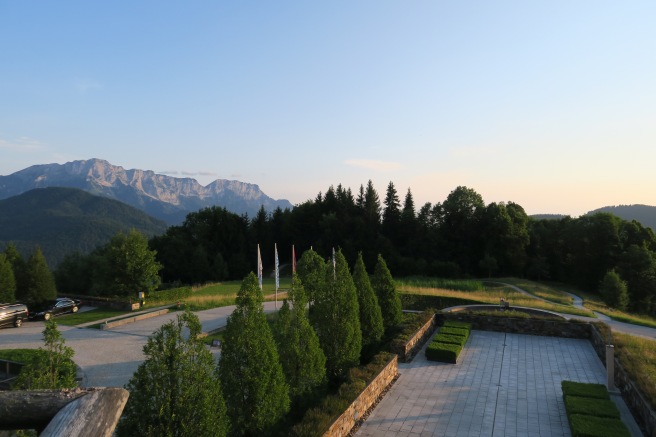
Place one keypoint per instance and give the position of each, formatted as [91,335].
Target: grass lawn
[540,290]
[88,316]
[225,293]
[492,294]
[19,355]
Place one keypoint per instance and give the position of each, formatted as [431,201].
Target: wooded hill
[644,214]
[66,220]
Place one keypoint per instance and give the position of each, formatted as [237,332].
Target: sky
[548,104]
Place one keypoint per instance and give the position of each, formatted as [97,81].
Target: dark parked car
[13,314]
[55,307]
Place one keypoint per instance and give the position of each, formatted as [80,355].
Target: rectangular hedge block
[591,407]
[584,390]
[448,338]
[444,352]
[457,324]
[591,426]
[454,331]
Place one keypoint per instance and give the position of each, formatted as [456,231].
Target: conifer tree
[388,299]
[176,391]
[337,320]
[39,280]
[371,318]
[256,394]
[18,266]
[7,281]
[53,367]
[303,361]
[311,271]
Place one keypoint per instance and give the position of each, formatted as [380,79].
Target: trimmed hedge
[590,411]
[455,331]
[317,420]
[584,390]
[591,407]
[591,426]
[457,324]
[451,339]
[444,352]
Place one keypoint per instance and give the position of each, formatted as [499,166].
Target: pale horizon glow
[551,105]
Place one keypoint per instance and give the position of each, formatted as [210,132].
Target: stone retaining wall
[412,346]
[641,409]
[127,320]
[532,326]
[344,423]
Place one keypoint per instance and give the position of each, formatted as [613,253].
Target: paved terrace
[503,385]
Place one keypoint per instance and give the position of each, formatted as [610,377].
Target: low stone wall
[127,320]
[532,326]
[410,349]
[344,423]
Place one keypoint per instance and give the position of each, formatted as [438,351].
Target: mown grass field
[491,293]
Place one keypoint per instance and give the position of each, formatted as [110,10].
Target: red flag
[293,260]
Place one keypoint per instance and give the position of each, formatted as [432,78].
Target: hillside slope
[65,220]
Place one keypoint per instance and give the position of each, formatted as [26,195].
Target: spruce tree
[256,394]
[337,320]
[7,281]
[303,361]
[371,318]
[39,280]
[388,299]
[176,391]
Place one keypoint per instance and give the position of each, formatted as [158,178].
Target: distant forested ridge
[65,220]
[644,214]
[459,237]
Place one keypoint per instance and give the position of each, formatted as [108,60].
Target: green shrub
[591,426]
[444,352]
[591,407]
[457,324]
[451,339]
[455,331]
[584,390]
[167,296]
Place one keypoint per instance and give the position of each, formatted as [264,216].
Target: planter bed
[590,411]
[451,339]
[444,352]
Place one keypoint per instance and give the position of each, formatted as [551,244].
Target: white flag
[275,246]
[259,267]
[334,265]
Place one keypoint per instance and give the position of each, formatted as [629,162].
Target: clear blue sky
[549,104]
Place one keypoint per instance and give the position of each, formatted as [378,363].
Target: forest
[461,237]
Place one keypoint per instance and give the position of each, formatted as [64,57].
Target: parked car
[55,307]
[13,314]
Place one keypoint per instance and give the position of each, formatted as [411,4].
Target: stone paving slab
[503,385]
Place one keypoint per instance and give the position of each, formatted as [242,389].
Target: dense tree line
[28,281]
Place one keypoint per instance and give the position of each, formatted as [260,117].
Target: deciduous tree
[614,290]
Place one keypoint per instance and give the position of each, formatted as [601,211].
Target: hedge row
[449,341]
[317,420]
[590,411]
[166,296]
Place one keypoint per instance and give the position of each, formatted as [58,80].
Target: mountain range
[166,198]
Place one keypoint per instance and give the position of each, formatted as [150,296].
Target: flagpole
[275,247]
[259,267]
